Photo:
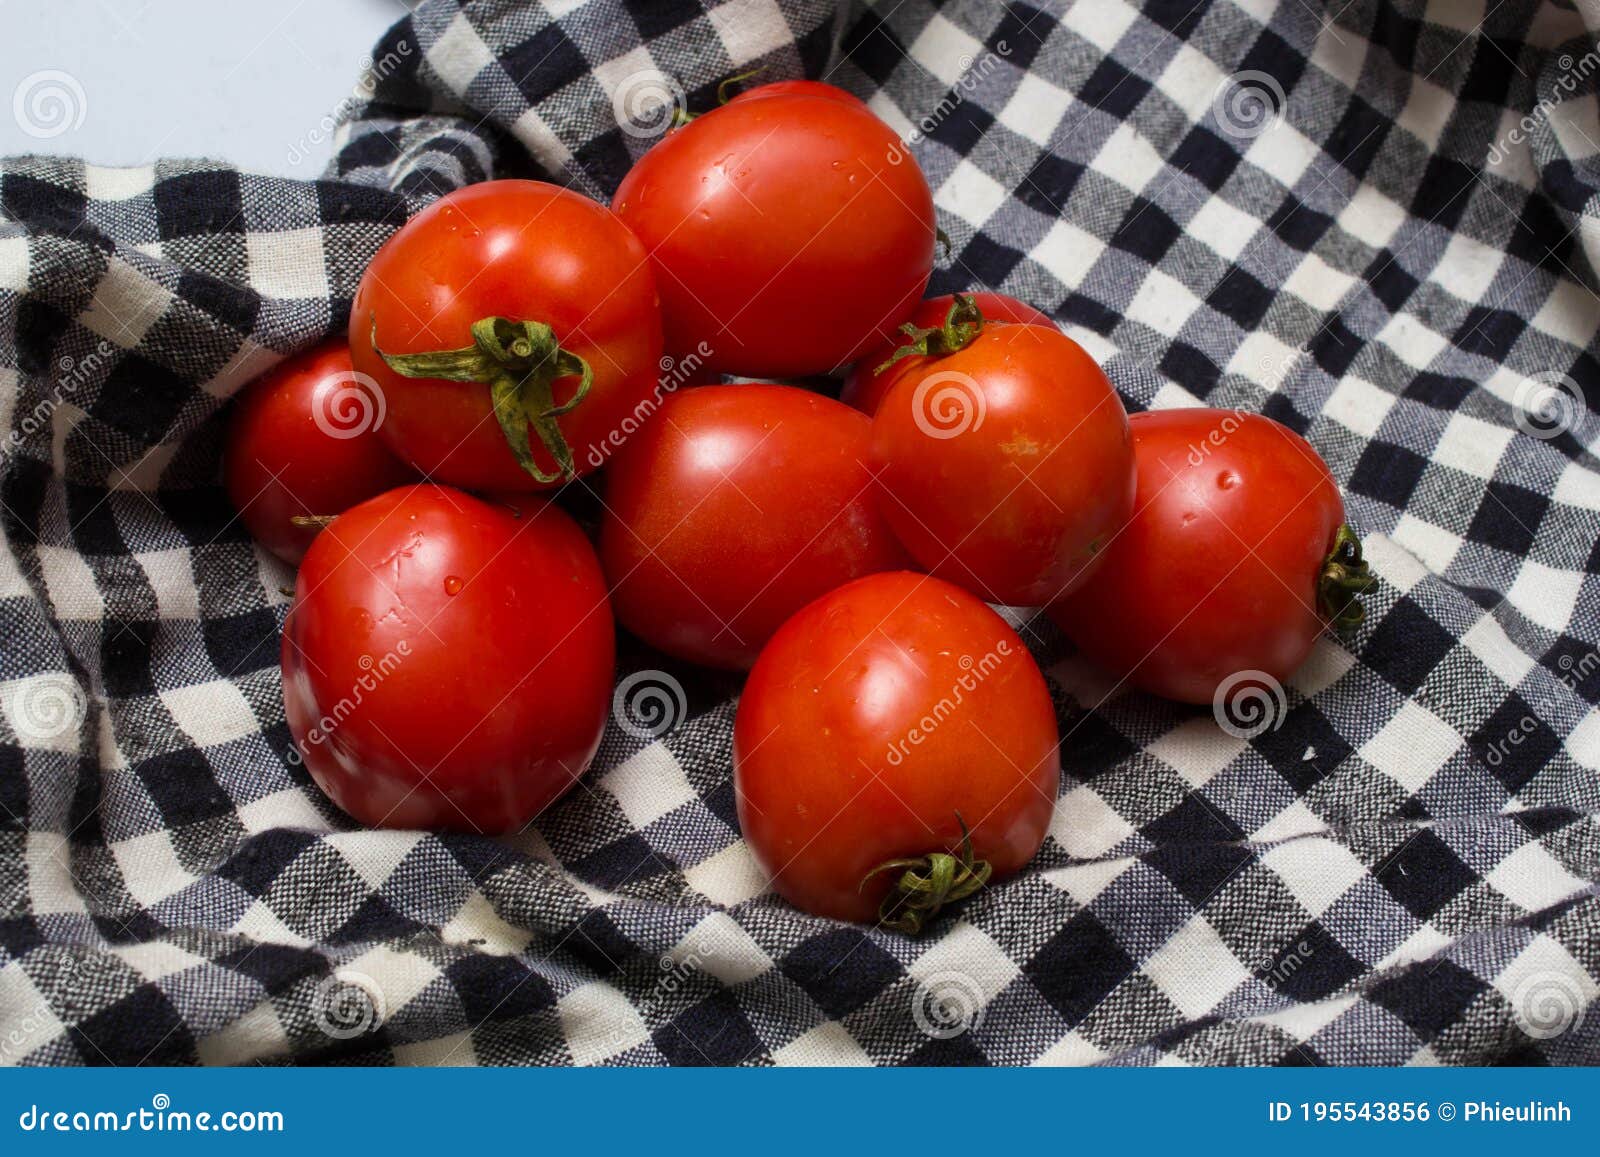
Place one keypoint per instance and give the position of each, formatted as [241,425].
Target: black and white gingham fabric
[1372,221]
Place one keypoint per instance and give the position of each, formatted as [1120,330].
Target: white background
[244,82]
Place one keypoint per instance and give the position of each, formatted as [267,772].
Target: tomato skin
[814,88]
[865,388]
[1216,572]
[829,785]
[499,691]
[785,235]
[301,442]
[1012,484]
[738,505]
[523,250]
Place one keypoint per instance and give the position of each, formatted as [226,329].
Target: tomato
[508,290]
[866,386]
[447,664]
[302,442]
[1005,465]
[789,231]
[1235,559]
[879,723]
[733,509]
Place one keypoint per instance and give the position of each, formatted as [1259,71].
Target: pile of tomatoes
[448,660]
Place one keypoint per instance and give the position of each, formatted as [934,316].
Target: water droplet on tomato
[1227,480]
[452,585]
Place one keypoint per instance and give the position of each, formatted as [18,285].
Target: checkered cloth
[1371,222]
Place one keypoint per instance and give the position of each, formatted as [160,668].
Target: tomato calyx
[1345,577]
[960,328]
[520,362]
[927,883]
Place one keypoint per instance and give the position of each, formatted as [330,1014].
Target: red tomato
[789,231]
[1005,466]
[866,387]
[556,267]
[447,665]
[880,720]
[1235,558]
[732,510]
[302,442]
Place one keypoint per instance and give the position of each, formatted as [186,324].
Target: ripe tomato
[866,386]
[446,664]
[732,510]
[788,229]
[1005,466]
[303,442]
[479,320]
[879,723]
[1234,560]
